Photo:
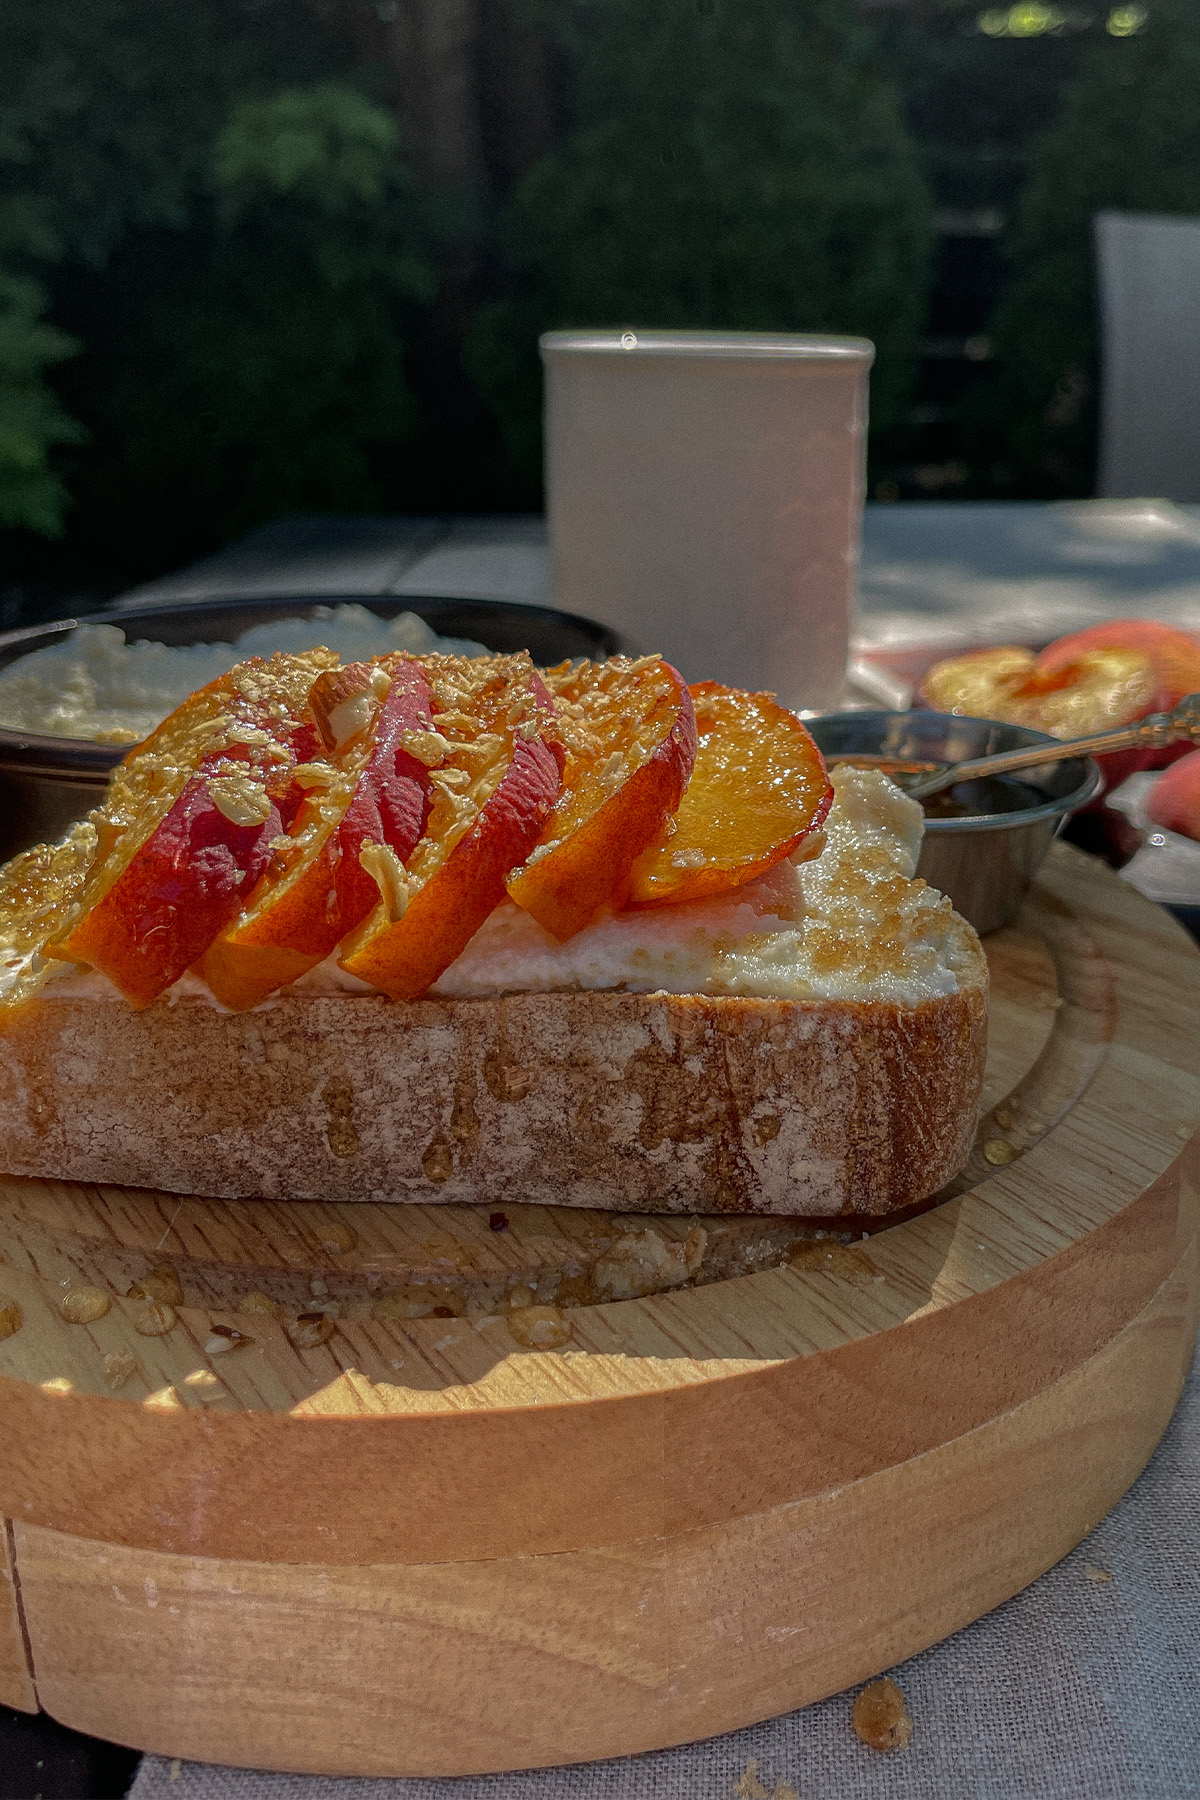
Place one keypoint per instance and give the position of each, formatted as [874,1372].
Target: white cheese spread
[96,685]
[850,924]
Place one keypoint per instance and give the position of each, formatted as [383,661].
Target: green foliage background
[224,296]
[735,163]
[1126,138]
[216,274]
[211,201]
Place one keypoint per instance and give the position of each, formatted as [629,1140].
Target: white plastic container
[704,493]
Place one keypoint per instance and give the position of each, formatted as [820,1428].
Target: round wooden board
[424,1546]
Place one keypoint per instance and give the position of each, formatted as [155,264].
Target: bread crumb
[339,1239]
[256,1302]
[880,1717]
[310,1330]
[155,1319]
[176,1769]
[748,1786]
[1095,1573]
[118,1367]
[825,1256]
[997,1152]
[161,1283]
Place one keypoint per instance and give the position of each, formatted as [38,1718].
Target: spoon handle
[1148,733]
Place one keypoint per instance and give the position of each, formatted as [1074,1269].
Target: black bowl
[46,783]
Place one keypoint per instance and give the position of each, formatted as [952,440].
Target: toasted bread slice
[632,1102]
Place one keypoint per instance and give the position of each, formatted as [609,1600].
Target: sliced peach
[1174,655]
[1175,659]
[188,825]
[630,736]
[1097,689]
[1094,690]
[366,787]
[758,789]
[493,790]
[36,889]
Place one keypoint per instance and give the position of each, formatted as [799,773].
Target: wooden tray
[427,1547]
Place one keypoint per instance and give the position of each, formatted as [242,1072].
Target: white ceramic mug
[704,492]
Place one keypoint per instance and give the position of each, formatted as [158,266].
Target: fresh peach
[1175,659]
[1174,655]
[367,787]
[492,792]
[630,735]
[1075,686]
[1096,690]
[758,789]
[1174,801]
[188,825]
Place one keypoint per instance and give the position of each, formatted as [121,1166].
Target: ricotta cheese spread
[96,685]
[851,923]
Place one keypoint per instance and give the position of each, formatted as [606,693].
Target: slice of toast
[633,1102]
[811,1044]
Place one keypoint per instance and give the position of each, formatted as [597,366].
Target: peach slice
[758,789]
[37,889]
[364,786]
[1174,655]
[367,787]
[1094,690]
[188,825]
[1091,690]
[493,789]
[1175,659]
[630,735]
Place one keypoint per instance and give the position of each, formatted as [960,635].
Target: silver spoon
[1151,732]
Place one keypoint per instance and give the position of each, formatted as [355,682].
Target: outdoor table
[930,572]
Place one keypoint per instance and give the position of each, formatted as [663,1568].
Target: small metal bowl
[46,783]
[986,857]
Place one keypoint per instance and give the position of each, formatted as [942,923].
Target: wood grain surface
[16,1670]
[521,1661]
[841,1448]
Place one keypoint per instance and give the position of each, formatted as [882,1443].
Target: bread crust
[629,1102]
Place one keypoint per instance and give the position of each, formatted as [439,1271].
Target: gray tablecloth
[1077,1689]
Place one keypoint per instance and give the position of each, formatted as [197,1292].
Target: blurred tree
[730,163]
[255,363]
[217,204]
[978,87]
[110,107]
[31,421]
[1127,137]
